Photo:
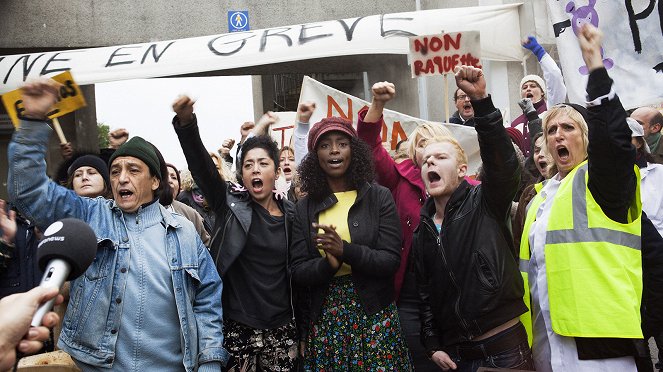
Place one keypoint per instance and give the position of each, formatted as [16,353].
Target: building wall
[84,23]
[29,25]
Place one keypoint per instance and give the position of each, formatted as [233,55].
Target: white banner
[377,34]
[331,102]
[283,129]
[632,46]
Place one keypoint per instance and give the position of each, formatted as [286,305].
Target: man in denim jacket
[151,300]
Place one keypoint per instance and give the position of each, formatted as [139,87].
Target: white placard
[632,47]
[441,54]
[331,102]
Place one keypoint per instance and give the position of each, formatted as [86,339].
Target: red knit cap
[517,138]
[327,125]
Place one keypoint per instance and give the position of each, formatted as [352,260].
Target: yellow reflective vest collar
[593,264]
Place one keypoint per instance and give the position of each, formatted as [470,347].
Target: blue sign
[238,20]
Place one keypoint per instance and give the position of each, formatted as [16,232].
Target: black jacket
[374,253]
[467,275]
[456,119]
[22,271]
[652,280]
[231,205]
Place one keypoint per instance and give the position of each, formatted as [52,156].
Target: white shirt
[552,352]
[651,194]
[555,88]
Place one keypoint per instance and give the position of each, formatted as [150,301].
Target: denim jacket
[89,330]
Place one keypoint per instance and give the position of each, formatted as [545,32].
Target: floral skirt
[344,338]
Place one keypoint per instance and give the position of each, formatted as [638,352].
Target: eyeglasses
[461,97]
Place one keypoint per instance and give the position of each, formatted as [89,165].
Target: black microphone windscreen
[71,240]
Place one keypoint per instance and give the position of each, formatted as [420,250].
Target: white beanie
[537,79]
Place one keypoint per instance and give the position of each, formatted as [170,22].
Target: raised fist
[471,81]
[183,107]
[305,110]
[383,91]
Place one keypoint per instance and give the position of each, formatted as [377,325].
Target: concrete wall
[29,25]
[84,23]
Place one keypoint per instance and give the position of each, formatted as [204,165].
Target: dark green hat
[139,148]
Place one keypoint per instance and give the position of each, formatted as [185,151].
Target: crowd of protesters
[334,255]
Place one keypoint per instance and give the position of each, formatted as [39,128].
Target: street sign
[238,20]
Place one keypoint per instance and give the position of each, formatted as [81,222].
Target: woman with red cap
[349,261]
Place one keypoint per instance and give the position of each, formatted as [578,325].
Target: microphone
[67,250]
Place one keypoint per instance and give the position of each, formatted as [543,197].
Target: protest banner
[397,126]
[377,34]
[70,99]
[441,54]
[282,130]
[632,47]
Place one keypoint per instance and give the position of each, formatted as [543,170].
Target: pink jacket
[404,181]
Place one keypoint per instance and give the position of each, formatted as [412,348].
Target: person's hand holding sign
[38,97]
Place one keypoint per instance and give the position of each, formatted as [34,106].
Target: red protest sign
[440,54]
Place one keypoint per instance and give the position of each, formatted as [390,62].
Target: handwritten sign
[282,130]
[440,54]
[70,99]
[632,47]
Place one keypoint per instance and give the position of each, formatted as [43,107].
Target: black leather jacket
[467,275]
[374,253]
[231,205]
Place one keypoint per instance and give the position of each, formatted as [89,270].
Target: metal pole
[422,88]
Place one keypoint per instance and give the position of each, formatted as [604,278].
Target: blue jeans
[516,356]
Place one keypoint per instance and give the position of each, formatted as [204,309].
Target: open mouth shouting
[542,164]
[125,194]
[433,178]
[563,153]
[257,185]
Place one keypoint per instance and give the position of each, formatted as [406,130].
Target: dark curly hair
[314,179]
[258,142]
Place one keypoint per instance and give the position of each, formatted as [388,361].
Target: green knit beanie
[139,148]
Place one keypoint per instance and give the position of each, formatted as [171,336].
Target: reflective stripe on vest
[523,264]
[581,232]
[584,301]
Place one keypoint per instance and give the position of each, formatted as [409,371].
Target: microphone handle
[55,275]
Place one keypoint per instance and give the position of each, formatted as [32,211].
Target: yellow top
[338,216]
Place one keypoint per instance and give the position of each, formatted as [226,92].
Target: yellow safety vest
[593,264]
